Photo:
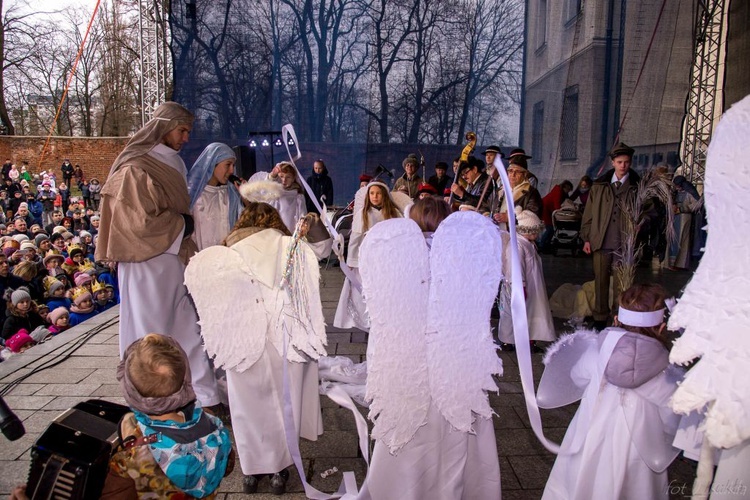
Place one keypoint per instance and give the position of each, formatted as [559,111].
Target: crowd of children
[49,280]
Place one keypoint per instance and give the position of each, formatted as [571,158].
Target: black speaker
[70,459]
[245,164]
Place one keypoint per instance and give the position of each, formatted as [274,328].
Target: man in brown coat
[145,228]
[601,228]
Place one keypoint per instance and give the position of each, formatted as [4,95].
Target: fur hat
[21,293]
[527,222]
[19,340]
[56,314]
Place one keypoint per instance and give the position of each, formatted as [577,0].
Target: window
[571,9]
[569,132]
[541,24]
[537,132]
[656,158]
[673,159]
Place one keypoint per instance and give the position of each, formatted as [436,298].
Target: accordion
[70,460]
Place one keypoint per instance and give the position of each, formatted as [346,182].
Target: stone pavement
[88,371]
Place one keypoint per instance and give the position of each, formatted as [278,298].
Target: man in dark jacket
[321,184]
[602,230]
[67,171]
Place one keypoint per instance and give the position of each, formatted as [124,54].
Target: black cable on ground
[61,354]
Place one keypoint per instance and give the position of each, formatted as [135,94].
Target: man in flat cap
[145,227]
[601,228]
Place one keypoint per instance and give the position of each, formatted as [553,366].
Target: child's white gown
[431,360]
[618,445]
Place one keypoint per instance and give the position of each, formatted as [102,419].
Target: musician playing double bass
[472,171]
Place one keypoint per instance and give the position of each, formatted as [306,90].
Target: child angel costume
[351,311]
[431,359]
[619,444]
[248,319]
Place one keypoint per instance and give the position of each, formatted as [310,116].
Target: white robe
[439,463]
[538,313]
[155,300]
[351,311]
[609,463]
[247,339]
[211,216]
[291,206]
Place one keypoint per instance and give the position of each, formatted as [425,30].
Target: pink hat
[81,279]
[17,341]
[56,314]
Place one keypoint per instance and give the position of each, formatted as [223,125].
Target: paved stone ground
[89,372]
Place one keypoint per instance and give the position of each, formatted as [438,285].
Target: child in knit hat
[59,320]
[54,292]
[83,306]
[82,279]
[17,344]
[22,313]
[541,327]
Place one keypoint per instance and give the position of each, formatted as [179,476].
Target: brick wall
[94,154]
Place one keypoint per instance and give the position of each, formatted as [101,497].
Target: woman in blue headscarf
[215,203]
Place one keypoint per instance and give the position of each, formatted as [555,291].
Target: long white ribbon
[348,489]
[520,322]
[287,131]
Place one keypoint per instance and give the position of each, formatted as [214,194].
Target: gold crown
[75,247]
[97,286]
[48,281]
[79,291]
[86,266]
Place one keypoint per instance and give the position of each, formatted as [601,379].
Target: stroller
[566,223]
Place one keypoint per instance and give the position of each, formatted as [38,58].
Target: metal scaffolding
[156,62]
[704,100]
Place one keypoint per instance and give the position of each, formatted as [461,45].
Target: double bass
[468,149]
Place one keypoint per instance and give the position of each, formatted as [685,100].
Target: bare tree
[493,50]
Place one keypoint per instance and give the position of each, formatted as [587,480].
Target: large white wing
[466,266]
[559,386]
[230,307]
[715,310]
[396,291]
[402,200]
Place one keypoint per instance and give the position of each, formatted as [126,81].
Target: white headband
[636,318]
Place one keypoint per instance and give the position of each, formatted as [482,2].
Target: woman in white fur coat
[248,320]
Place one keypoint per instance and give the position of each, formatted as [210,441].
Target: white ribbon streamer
[287,131]
[520,322]
[348,489]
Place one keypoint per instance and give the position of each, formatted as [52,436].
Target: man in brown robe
[145,227]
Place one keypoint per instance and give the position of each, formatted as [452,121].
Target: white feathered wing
[396,289]
[715,310]
[466,267]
